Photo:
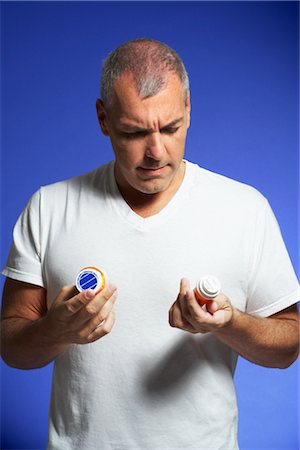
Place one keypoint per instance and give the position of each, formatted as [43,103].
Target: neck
[146,205]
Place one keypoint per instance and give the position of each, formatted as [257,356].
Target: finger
[99,318]
[176,318]
[175,310]
[99,309]
[212,307]
[198,317]
[107,296]
[182,300]
[218,314]
[108,291]
[108,305]
[77,302]
[103,329]
[66,293]
[90,300]
[184,286]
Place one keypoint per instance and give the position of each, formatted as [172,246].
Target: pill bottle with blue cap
[91,277]
[207,288]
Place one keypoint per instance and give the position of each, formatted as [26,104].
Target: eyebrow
[128,127]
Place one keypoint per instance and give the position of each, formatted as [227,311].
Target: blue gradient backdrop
[242,58]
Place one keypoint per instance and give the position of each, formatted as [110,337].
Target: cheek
[176,147]
[182,141]
[127,155]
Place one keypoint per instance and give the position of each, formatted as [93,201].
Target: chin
[153,187]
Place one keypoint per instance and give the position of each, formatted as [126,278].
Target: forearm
[270,342]
[27,344]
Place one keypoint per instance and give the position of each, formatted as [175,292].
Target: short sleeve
[24,259]
[273,285]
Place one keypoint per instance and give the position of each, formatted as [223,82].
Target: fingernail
[89,294]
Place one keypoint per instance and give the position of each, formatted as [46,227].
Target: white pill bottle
[207,288]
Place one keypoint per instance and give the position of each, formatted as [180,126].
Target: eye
[135,135]
[169,130]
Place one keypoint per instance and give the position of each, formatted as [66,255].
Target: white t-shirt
[147,385]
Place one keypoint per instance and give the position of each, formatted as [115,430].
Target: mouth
[152,171]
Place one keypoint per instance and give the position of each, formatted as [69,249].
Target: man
[148,218]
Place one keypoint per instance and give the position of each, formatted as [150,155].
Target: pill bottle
[91,278]
[207,288]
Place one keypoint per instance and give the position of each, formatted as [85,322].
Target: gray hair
[149,60]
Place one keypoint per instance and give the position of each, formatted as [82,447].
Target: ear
[188,108]
[102,117]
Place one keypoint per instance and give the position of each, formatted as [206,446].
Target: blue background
[242,58]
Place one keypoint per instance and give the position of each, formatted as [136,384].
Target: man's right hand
[83,317]
[33,335]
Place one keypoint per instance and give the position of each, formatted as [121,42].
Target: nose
[155,146]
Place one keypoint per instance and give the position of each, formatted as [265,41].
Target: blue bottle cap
[91,278]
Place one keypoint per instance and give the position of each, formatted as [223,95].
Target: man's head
[149,61]
[145,110]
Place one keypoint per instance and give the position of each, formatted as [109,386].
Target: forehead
[166,105]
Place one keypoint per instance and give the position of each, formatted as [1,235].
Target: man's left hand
[188,315]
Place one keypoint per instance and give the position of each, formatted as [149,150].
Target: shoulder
[54,202]
[224,191]
[76,186]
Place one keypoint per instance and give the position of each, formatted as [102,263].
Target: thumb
[212,306]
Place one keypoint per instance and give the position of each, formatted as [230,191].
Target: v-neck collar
[122,208]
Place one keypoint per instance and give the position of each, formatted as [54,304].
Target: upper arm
[290,313]
[23,300]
